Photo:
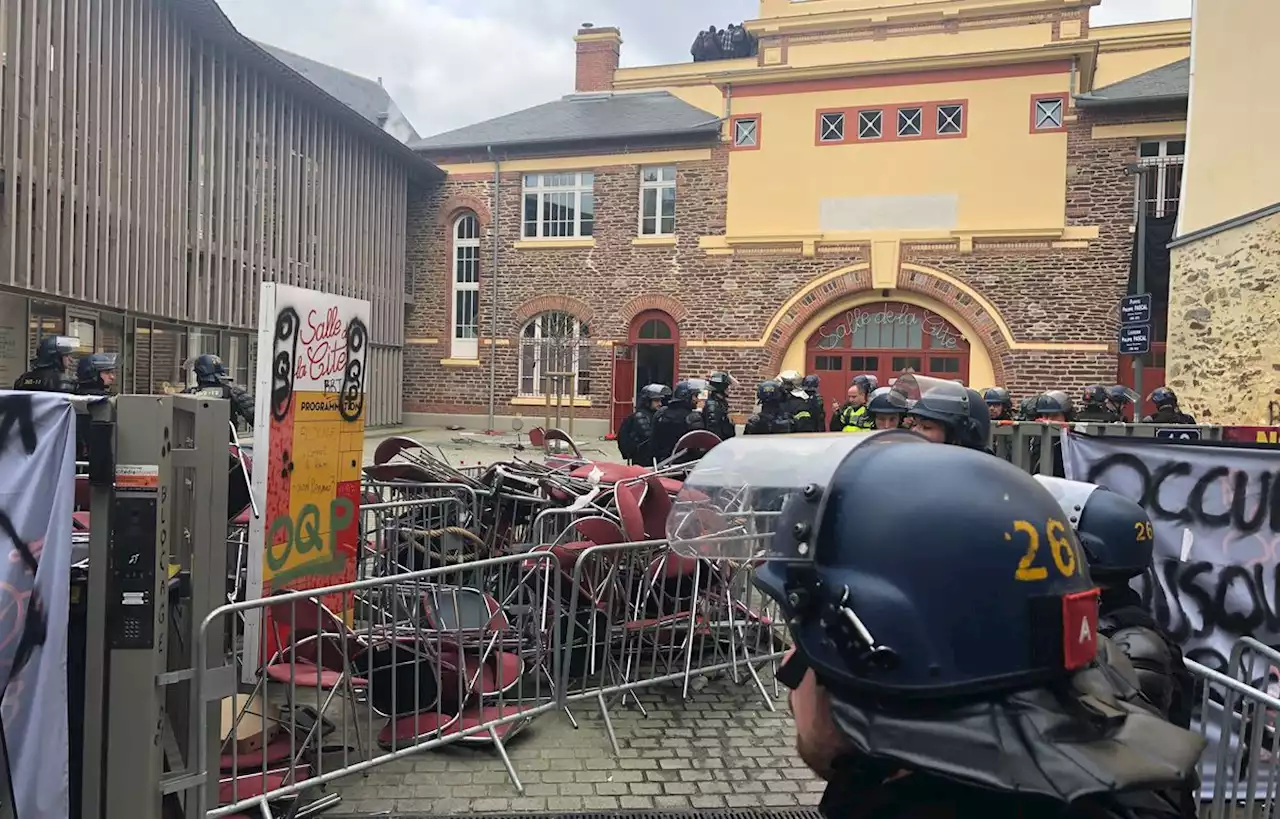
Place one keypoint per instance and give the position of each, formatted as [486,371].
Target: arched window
[466,287]
[555,348]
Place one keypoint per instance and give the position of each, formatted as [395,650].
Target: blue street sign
[1175,434]
[1136,309]
[1135,339]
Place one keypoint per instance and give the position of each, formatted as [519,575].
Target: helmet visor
[736,497]
[1119,392]
[67,345]
[939,395]
[1070,495]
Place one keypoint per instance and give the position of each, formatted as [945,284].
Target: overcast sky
[450,63]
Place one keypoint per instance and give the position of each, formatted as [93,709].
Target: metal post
[495,214]
[1139,361]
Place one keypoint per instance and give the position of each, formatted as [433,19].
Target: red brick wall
[597,61]
[1064,296]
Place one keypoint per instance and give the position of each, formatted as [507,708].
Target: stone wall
[1224,324]
[1050,297]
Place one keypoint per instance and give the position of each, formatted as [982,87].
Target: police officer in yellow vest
[852,415]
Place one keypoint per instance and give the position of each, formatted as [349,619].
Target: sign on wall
[308,441]
[37,485]
[1217,528]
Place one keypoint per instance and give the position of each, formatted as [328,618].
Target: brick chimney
[598,50]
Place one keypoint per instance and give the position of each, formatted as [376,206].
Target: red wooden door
[1152,375]
[624,385]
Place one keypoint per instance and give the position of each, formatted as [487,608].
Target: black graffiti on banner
[1234,513]
[285,356]
[17,414]
[351,402]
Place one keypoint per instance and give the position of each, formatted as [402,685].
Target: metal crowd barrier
[1020,442]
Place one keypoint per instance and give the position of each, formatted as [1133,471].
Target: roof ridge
[275,48]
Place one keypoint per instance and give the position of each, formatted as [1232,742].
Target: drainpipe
[495,211]
[728,102]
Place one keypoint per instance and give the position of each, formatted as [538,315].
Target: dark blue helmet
[1120,396]
[866,383]
[1115,532]
[972,585]
[977,433]
[1095,395]
[811,384]
[720,382]
[209,370]
[651,393]
[882,402]
[52,350]
[997,396]
[684,394]
[957,407]
[1054,402]
[91,367]
[1163,397]
[769,392]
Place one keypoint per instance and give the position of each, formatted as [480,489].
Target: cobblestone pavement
[721,748]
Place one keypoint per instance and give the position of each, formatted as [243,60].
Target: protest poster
[308,446]
[1216,515]
[37,487]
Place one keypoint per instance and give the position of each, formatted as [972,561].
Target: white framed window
[555,349]
[870,124]
[466,287]
[910,122]
[1161,161]
[559,205]
[950,119]
[746,132]
[658,201]
[831,127]
[1048,113]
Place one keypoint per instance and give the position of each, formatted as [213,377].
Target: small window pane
[864,363]
[668,174]
[1048,114]
[831,127]
[655,329]
[906,362]
[1177,148]
[745,133]
[950,119]
[909,120]
[669,202]
[649,175]
[1148,149]
[531,180]
[588,214]
[870,124]
[530,214]
[828,363]
[949,366]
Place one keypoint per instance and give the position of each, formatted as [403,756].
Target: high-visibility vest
[852,419]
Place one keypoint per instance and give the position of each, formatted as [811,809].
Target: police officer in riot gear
[1120,398]
[810,415]
[1117,536]
[945,412]
[886,412]
[96,374]
[933,676]
[213,380]
[852,415]
[1052,407]
[48,371]
[1027,408]
[635,435]
[772,419]
[999,403]
[1097,406]
[675,419]
[715,412]
[1167,411]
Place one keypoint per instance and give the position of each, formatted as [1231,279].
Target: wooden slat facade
[159,175]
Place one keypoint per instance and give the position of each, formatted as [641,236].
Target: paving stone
[635,803]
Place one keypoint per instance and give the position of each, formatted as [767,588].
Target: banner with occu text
[1216,515]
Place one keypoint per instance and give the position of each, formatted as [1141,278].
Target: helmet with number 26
[904,569]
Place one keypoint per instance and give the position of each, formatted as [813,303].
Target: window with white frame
[555,356]
[746,132]
[466,287]
[559,205]
[1161,162]
[870,124]
[950,120]
[831,127]
[910,122]
[658,201]
[1048,114]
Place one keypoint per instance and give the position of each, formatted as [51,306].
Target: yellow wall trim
[1140,129]
[552,244]
[459,362]
[598,36]
[565,163]
[535,401]
[502,342]
[422,341]
[653,241]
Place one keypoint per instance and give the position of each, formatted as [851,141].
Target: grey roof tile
[1168,82]
[581,118]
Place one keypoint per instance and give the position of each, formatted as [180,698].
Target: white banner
[37,486]
[1216,513]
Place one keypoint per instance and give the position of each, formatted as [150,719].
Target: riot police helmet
[666,394]
[90,368]
[768,392]
[1027,408]
[789,379]
[650,393]
[209,370]
[977,433]
[1054,402]
[720,381]
[866,383]
[997,397]
[811,384]
[945,407]
[970,610]
[1095,395]
[1114,531]
[882,402]
[685,393]
[1163,398]
[52,352]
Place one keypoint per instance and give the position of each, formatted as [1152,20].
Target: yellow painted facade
[1231,167]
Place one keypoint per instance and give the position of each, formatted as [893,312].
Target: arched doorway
[648,357]
[883,339]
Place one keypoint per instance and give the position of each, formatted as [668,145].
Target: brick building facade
[1040,308]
